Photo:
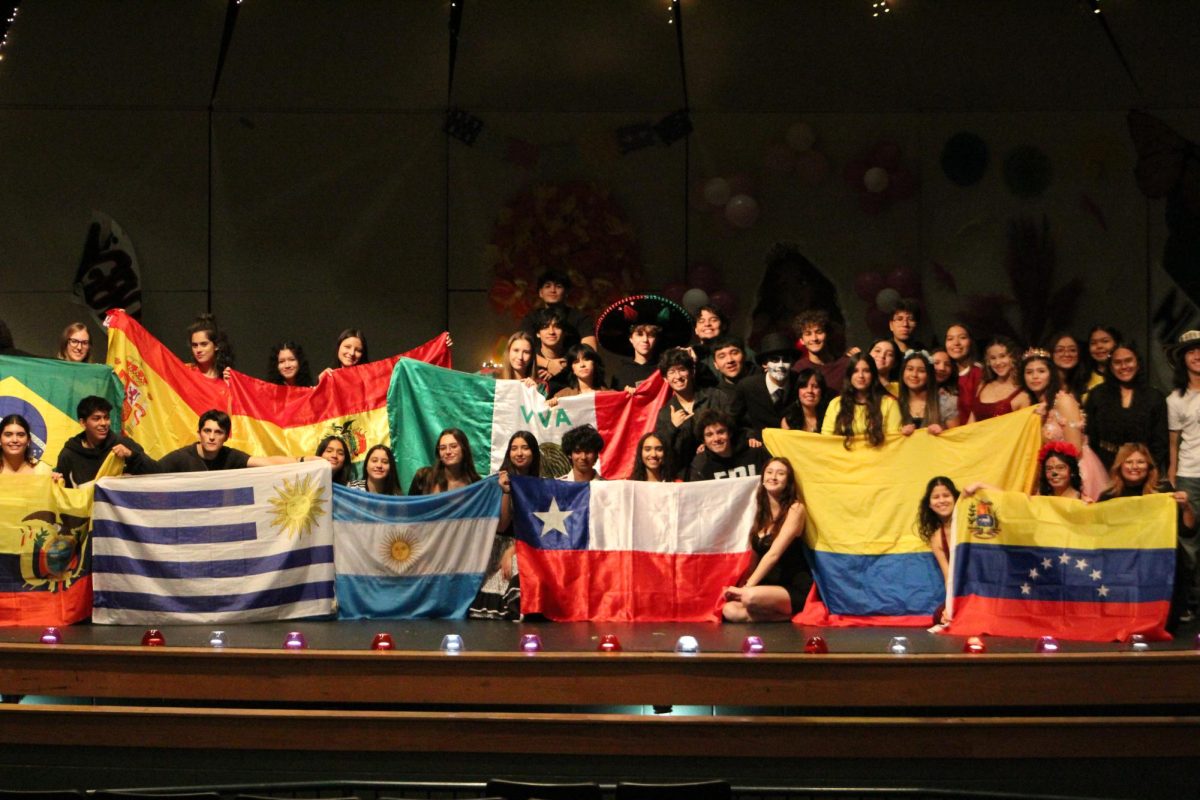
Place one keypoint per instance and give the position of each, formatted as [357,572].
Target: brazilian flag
[45,392]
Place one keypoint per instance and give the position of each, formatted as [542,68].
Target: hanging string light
[8,23]
[672,9]
[881,7]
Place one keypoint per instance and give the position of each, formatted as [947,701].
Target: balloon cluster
[879,179]
[707,288]
[732,200]
[882,290]
[797,154]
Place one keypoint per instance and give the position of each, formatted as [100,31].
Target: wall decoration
[879,178]
[108,276]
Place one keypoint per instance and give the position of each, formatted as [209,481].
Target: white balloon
[887,299]
[742,211]
[801,136]
[694,298]
[876,180]
[717,192]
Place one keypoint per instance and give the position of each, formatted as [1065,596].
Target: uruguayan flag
[232,546]
[413,557]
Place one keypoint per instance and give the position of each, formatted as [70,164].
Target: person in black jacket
[762,396]
[723,455]
[1124,409]
[674,424]
[83,453]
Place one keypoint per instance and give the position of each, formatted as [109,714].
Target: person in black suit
[760,398]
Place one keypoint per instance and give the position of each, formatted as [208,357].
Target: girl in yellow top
[864,407]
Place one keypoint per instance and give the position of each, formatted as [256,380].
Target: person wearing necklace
[551,358]
[453,468]
[1124,409]
[934,515]
[921,404]
[1063,421]
[812,399]
[380,471]
[1000,392]
[960,346]
[586,374]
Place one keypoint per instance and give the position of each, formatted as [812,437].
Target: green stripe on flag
[63,384]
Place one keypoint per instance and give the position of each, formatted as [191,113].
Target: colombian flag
[45,555]
[45,392]
[1047,566]
[870,565]
[164,397]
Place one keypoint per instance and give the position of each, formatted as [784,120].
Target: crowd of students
[1106,432]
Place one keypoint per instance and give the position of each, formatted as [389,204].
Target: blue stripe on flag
[550,514]
[176,501]
[191,534]
[212,604]
[893,584]
[226,568]
[406,597]
[1120,575]
[477,501]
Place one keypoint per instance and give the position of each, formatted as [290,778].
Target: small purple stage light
[815,645]
[753,645]
[295,641]
[153,638]
[974,646]
[50,636]
[1047,644]
[609,643]
[383,641]
[530,643]
[452,644]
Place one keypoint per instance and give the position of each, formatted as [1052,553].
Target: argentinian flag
[413,557]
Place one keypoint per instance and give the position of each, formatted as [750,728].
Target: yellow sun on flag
[399,550]
[297,505]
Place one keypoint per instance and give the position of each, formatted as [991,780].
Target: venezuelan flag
[871,566]
[163,398]
[45,392]
[1046,566]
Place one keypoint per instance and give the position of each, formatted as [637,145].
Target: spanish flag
[45,549]
[871,566]
[1048,566]
[164,398]
[45,392]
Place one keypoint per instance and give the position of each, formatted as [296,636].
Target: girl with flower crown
[1058,472]
[1063,420]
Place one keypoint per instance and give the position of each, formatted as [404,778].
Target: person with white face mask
[762,398]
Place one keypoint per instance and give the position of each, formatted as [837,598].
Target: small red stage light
[753,645]
[974,645]
[816,645]
[1047,644]
[609,643]
[153,638]
[383,641]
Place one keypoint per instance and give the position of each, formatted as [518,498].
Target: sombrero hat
[1187,341]
[614,322]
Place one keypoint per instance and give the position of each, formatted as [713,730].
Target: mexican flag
[424,400]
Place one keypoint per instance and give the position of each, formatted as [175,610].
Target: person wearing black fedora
[553,285]
[1183,426]
[637,329]
[761,397]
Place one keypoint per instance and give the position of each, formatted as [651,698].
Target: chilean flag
[614,551]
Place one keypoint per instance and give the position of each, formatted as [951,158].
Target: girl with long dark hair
[863,408]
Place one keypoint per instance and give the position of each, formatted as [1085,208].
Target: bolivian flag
[1048,566]
[45,392]
[45,552]
[870,565]
[164,397]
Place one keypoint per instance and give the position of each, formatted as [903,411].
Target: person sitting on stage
[288,366]
[652,461]
[379,467]
[209,453]
[212,355]
[586,373]
[553,285]
[351,350]
[812,401]
[760,399]
[334,450]
[934,515]
[863,408]
[82,454]
[582,446]
[75,344]
[778,579]
[723,455]
[814,327]
[453,466]
[16,451]
[674,424]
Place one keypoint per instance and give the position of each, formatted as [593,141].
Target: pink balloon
[779,159]
[674,291]
[725,300]
[903,184]
[740,183]
[704,276]
[867,285]
[904,281]
[812,167]
[886,155]
[742,211]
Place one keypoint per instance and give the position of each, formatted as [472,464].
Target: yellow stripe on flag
[58,426]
